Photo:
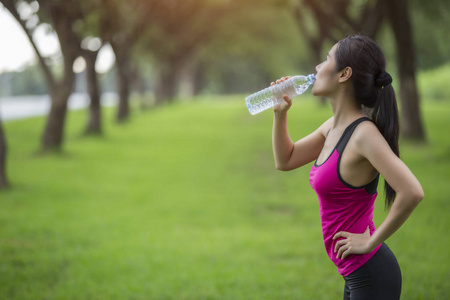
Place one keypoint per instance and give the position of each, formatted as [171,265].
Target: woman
[350,151]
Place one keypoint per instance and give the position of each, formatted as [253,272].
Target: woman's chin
[317,92]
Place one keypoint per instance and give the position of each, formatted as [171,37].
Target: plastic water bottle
[273,95]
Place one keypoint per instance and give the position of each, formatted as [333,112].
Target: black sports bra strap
[348,133]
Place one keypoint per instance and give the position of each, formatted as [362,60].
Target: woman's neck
[345,109]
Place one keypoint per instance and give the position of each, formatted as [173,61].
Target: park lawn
[184,202]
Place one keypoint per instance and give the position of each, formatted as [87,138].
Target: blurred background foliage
[248,46]
[179,49]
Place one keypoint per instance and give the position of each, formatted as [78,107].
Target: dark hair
[372,89]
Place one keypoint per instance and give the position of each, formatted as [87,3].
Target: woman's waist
[356,226]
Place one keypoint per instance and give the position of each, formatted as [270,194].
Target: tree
[3,152]
[121,24]
[177,32]
[91,44]
[251,47]
[62,15]
[94,124]
[398,16]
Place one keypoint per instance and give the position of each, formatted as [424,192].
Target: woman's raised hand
[286,104]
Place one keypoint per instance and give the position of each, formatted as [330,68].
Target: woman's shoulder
[367,133]
[367,129]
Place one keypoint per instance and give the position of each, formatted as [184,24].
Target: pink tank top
[343,207]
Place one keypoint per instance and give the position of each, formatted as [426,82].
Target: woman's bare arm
[287,154]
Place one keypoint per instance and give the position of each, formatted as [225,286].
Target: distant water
[22,107]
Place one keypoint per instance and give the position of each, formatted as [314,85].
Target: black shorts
[378,279]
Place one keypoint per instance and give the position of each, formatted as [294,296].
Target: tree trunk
[410,112]
[3,152]
[199,79]
[62,22]
[138,85]
[123,81]
[188,79]
[165,82]
[123,111]
[371,19]
[52,138]
[94,125]
[60,91]
[314,42]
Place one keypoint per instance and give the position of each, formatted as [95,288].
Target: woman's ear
[345,75]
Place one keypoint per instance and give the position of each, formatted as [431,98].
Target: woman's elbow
[417,195]
[282,167]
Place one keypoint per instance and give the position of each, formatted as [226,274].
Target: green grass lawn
[184,202]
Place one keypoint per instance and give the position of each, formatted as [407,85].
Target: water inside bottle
[285,88]
[260,106]
[301,88]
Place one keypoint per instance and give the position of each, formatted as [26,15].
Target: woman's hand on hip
[286,104]
[352,243]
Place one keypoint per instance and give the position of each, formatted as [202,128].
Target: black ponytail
[385,116]
[372,89]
